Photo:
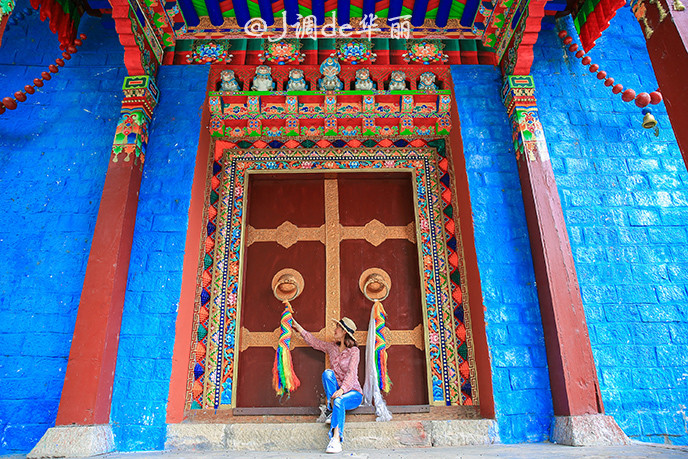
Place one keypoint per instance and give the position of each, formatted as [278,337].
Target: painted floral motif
[282,52]
[355,51]
[425,52]
[209,52]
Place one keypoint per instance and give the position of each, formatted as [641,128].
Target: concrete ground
[636,450]
[521,451]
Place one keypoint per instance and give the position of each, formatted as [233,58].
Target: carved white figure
[296,81]
[330,68]
[427,82]
[398,81]
[228,81]
[263,79]
[363,80]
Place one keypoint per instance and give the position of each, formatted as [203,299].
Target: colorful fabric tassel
[284,380]
[383,379]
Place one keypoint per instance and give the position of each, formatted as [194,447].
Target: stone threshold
[308,415]
[197,436]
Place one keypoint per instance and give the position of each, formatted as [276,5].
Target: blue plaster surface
[523,401]
[625,198]
[54,152]
[144,361]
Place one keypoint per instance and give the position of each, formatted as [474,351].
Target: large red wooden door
[330,227]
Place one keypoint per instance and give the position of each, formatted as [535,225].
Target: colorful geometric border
[450,351]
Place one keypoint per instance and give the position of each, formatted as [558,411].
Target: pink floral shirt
[344,363]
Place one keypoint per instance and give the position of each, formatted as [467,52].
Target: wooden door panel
[384,196]
[261,311]
[400,259]
[255,378]
[272,244]
[276,198]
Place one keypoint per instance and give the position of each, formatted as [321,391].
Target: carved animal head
[227,75]
[296,74]
[398,76]
[330,67]
[263,71]
[362,74]
[427,78]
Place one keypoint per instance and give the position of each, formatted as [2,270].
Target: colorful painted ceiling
[463,31]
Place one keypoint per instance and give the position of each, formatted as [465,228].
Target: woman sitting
[341,383]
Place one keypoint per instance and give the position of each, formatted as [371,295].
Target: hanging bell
[649,121]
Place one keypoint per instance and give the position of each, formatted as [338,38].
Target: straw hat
[348,325]
[287,284]
[375,284]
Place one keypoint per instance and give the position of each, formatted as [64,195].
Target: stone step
[195,436]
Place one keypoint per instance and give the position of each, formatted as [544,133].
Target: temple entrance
[330,227]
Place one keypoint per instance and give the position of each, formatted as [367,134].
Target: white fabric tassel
[371,388]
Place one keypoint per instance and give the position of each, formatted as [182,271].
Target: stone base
[74,441]
[587,430]
[357,435]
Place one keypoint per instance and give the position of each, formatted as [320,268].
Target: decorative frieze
[131,136]
[518,94]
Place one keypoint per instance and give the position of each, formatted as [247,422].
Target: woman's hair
[349,341]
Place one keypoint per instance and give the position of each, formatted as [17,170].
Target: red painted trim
[87,392]
[3,23]
[524,59]
[473,285]
[181,356]
[572,373]
[132,54]
[668,49]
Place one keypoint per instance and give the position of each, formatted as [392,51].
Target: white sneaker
[335,446]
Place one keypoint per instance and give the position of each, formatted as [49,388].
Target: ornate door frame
[451,378]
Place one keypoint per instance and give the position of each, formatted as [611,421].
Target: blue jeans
[348,401]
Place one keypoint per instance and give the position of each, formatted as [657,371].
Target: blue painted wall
[144,361]
[51,178]
[625,199]
[523,402]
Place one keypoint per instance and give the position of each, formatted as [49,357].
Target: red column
[573,378]
[87,391]
[666,31]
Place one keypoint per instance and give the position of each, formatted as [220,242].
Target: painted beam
[573,377]
[469,12]
[394,11]
[266,11]
[319,11]
[214,12]
[343,11]
[292,9]
[87,391]
[368,8]
[443,13]
[189,13]
[420,9]
[241,12]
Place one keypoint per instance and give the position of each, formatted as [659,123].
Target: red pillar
[666,33]
[573,377]
[87,391]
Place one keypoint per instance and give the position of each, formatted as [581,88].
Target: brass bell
[649,121]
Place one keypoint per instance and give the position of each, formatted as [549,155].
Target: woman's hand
[338,393]
[296,326]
